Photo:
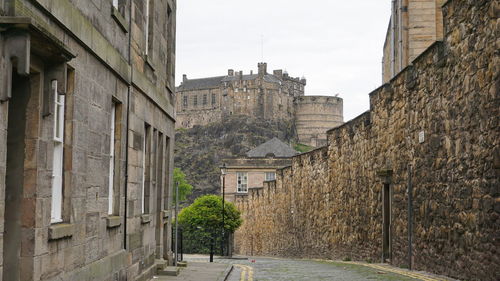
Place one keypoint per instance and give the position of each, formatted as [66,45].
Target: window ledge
[60,231]
[117,16]
[165,213]
[113,221]
[149,62]
[146,218]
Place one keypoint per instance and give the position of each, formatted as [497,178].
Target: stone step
[169,271]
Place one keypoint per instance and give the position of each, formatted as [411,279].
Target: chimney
[241,74]
[251,72]
[278,73]
[230,72]
[262,69]
[184,78]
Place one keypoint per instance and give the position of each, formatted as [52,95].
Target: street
[275,269]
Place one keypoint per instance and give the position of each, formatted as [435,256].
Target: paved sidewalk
[199,271]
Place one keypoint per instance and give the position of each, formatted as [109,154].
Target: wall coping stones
[61,230]
[113,221]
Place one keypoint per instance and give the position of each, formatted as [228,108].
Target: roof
[203,83]
[214,82]
[274,147]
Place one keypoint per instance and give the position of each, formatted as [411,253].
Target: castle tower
[315,115]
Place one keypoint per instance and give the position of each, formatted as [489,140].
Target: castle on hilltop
[276,96]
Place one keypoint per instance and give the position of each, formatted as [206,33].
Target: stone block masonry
[86,138]
[437,121]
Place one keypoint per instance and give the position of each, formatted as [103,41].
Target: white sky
[336,44]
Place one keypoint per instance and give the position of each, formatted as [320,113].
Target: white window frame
[143,189]
[241,182]
[270,176]
[58,155]
[111,160]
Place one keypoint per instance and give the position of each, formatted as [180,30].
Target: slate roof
[214,82]
[273,146]
[203,83]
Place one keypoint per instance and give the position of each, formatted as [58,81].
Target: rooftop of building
[214,82]
[274,148]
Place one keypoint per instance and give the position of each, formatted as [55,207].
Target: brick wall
[329,203]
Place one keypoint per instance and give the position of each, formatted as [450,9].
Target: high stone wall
[328,204]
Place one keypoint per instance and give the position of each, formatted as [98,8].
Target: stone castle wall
[436,121]
[314,115]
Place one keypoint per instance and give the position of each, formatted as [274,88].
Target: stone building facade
[276,96]
[86,138]
[260,165]
[419,173]
[413,27]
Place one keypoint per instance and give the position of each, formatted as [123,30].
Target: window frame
[241,184]
[270,178]
[56,215]
[111,173]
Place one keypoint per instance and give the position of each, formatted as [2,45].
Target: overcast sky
[335,44]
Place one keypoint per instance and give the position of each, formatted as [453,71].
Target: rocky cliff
[199,150]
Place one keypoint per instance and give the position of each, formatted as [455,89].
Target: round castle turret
[315,115]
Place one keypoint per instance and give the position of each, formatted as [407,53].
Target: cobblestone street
[264,269]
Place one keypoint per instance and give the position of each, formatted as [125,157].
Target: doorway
[14,177]
[386,221]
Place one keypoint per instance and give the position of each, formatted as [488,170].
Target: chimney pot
[184,78]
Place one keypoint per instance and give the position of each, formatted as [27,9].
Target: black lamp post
[223,172]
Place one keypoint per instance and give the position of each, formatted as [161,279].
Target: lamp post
[223,172]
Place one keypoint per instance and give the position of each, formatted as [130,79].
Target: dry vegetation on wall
[329,203]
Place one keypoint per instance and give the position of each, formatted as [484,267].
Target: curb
[226,273]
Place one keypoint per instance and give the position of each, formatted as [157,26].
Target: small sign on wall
[421,137]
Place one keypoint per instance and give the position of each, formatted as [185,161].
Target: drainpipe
[393,35]
[410,217]
[127,141]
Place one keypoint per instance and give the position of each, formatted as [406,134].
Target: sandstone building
[86,138]
[259,165]
[276,96]
[413,27]
[415,180]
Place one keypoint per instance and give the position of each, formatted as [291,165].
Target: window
[235,90]
[111,174]
[145,167]
[195,100]
[242,180]
[205,99]
[115,4]
[57,167]
[270,176]
[148,28]
[213,99]
[185,101]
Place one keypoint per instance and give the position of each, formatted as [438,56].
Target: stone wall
[91,40]
[436,121]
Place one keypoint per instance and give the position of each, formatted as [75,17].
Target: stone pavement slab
[199,271]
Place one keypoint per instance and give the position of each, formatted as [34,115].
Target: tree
[184,187]
[202,221]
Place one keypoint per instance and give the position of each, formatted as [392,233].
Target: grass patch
[302,147]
